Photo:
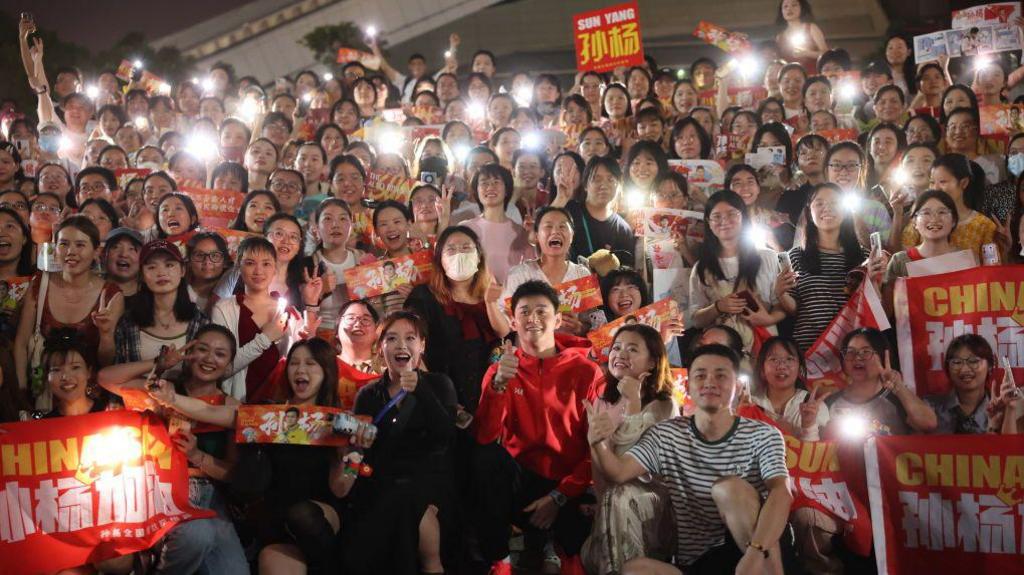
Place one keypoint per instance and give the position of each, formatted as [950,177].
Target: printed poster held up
[608,38]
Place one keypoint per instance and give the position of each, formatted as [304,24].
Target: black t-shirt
[590,235]
[792,202]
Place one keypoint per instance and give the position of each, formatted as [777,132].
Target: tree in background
[324,41]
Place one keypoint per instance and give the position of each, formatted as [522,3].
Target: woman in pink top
[505,242]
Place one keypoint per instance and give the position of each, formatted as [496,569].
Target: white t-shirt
[701,296]
[149,344]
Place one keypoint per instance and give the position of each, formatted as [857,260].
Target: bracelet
[759,548]
[43,90]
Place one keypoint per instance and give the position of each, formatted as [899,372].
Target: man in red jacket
[534,462]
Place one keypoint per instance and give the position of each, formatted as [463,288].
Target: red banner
[651,315]
[608,38]
[217,208]
[827,476]
[863,309]
[932,310]
[82,489]
[949,504]
[385,276]
[126,175]
[380,187]
[839,135]
[575,296]
[291,424]
[719,37]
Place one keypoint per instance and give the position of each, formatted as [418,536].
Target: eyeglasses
[284,236]
[278,186]
[931,214]
[851,353]
[16,206]
[844,167]
[357,319]
[43,208]
[214,257]
[452,249]
[90,188]
[780,361]
[957,363]
[733,216]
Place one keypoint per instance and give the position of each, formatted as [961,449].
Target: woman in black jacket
[400,511]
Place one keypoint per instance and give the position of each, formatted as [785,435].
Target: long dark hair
[239,223]
[702,135]
[779,131]
[790,346]
[143,310]
[324,355]
[852,252]
[963,168]
[294,277]
[550,179]
[186,370]
[190,207]
[656,387]
[711,249]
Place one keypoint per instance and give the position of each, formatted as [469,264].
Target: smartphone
[749,299]
[989,255]
[785,262]
[429,178]
[21,144]
[1008,368]
[27,16]
[876,243]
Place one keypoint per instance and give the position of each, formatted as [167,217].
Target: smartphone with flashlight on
[749,299]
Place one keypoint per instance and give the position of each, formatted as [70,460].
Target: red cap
[161,247]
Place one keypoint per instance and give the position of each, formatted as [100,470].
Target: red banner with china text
[946,504]
[77,490]
[608,38]
[933,310]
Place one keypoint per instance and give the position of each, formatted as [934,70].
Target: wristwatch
[759,548]
[559,497]
[43,90]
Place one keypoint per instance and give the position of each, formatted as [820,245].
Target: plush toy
[603,261]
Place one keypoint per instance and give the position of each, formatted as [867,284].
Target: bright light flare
[391,141]
[853,426]
[282,304]
[107,452]
[328,77]
[137,63]
[202,147]
[447,54]
[461,152]
[92,91]
[749,65]
[371,31]
[851,202]
[476,110]
[798,39]
[982,62]
[523,96]
[636,199]
[207,84]
[307,97]
[848,90]
[141,123]
[532,141]
[757,235]
[164,88]
[248,109]
[901,177]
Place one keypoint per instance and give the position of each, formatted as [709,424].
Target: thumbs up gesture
[508,367]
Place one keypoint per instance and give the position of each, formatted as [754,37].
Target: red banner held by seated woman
[81,489]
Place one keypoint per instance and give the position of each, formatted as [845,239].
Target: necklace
[164,324]
[75,296]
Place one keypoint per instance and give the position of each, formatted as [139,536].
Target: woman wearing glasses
[208,259]
[780,390]
[289,187]
[968,408]
[846,165]
[875,400]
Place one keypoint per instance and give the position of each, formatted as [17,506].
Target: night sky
[98,24]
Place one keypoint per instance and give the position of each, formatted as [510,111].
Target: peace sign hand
[1003,237]
[809,409]
[108,313]
[171,356]
[312,286]
[444,207]
[892,379]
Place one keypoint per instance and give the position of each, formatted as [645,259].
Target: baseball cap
[118,233]
[161,247]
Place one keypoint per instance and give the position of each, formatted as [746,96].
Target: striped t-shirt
[690,465]
[820,296]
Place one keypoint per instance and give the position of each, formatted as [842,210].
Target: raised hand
[599,424]
[162,392]
[312,286]
[809,409]
[672,326]
[311,321]
[407,380]
[494,290]
[630,387]
[444,207]
[731,304]
[508,367]
[108,313]
[890,378]
[171,356]
[784,283]
[275,326]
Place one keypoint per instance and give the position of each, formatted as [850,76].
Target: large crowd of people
[504,440]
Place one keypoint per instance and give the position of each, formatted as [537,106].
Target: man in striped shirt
[726,475]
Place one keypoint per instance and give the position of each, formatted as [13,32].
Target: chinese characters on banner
[385,276]
[217,208]
[608,38]
[824,477]
[730,42]
[651,315]
[934,309]
[380,187]
[291,424]
[82,489]
[950,504]
[576,295]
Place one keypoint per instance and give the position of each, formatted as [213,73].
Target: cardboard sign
[608,38]
[966,42]
[839,135]
[934,309]
[996,13]
[346,55]
[652,315]
[81,489]
[385,276]
[946,504]
[380,187]
[1001,119]
[746,96]
[721,38]
[576,295]
[705,177]
[126,175]
[217,208]
[288,424]
[765,156]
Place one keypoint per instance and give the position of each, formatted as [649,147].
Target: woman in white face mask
[464,312]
